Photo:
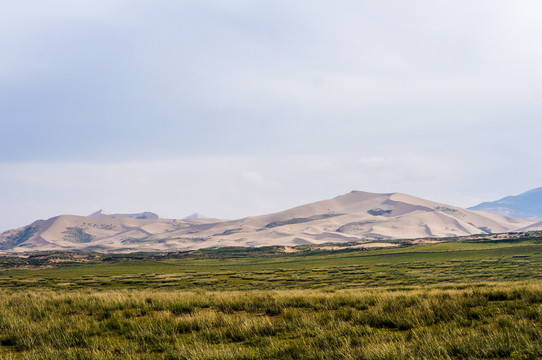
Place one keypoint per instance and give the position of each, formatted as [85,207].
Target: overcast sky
[233,108]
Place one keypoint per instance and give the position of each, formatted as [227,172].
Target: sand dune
[144,215]
[356,216]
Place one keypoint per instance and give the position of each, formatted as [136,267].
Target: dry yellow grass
[498,321]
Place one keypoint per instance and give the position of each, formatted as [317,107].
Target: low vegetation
[77,235]
[378,212]
[477,298]
[471,323]
[19,237]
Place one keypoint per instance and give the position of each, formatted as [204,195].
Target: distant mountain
[527,205]
[356,216]
[104,214]
[195,216]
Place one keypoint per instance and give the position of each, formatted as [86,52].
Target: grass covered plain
[473,299]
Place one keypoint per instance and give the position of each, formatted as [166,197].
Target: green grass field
[453,300]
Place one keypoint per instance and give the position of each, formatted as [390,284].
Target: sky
[237,108]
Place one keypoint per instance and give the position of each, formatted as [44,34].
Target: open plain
[464,298]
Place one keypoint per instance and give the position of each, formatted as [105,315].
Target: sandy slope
[356,216]
[144,215]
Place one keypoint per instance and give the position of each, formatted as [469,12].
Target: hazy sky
[234,108]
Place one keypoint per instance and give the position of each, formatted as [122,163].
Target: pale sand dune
[413,201]
[356,216]
[104,214]
[535,226]
[158,228]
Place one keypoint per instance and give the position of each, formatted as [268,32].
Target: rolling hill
[355,216]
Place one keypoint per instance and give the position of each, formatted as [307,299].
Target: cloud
[274,103]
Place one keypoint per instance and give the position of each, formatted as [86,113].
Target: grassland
[454,300]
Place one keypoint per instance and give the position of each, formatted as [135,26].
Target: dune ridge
[355,216]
